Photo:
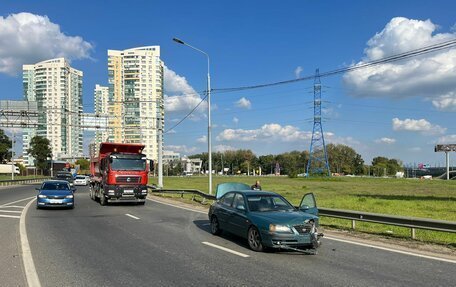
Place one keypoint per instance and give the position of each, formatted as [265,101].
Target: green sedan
[265,219]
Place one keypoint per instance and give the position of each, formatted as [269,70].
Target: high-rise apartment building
[135,105]
[101,98]
[57,89]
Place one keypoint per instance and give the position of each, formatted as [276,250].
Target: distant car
[55,193]
[65,176]
[266,219]
[81,180]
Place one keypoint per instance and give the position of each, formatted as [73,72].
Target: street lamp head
[178,41]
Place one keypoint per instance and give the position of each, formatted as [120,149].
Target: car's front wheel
[215,226]
[254,239]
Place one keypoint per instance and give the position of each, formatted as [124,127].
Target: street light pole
[209,123]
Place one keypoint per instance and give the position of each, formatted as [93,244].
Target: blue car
[265,219]
[55,193]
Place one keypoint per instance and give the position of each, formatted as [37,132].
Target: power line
[186,116]
[389,59]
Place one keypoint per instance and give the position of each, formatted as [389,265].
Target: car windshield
[55,186]
[128,164]
[266,203]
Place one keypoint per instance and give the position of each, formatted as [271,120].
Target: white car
[81,180]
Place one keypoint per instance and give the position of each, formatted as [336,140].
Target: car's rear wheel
[254,239]
[215,226]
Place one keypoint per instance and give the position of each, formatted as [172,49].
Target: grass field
[435,199]
[18,177]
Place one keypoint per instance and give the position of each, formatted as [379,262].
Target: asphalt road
[12,202]
[161,245]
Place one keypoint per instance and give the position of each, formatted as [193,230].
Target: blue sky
[400,110]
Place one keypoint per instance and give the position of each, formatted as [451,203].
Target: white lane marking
[10,216]
[27,259]
[9,203]
[225,249]
[177,206]
[10,211]
[12,206]
[391,250]
[132,216]
[336,239]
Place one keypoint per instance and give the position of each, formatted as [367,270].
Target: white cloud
[266,133]
[415,149]
[420,125]
[202,139]
[386,140]
[448,139]
[27,38]
[222,148]
[332,138]
[243,103]
[179,94]
[431,75]
[446,102]
[181,149]
[235,120]
[298,71]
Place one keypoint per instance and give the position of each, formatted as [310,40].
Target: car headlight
[69,196]
[279,228]
[41,196]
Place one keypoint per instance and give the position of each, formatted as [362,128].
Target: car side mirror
[304,207]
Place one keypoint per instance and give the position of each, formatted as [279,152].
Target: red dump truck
[119,174]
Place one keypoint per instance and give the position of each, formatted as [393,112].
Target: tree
[5,146]
[381,163]
[344,159]
[40,149]
[84,164]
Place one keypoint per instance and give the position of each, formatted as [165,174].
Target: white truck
[7,168]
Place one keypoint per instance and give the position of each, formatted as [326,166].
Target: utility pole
[318,158]
[12,155]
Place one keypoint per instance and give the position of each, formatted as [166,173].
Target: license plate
[55,200]
[128,191]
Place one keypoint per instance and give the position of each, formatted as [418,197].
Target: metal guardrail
[20,181]
[411,222]
[182,192]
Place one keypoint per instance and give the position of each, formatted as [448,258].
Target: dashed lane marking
[132,216]
[225,249]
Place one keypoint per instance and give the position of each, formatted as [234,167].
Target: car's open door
[308,204]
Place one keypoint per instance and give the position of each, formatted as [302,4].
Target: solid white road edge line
[337,239]
[27,259]
[10,216]
[226,249]
[9,203]
[391,250]
[132,216]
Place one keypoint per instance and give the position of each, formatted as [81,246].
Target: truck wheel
[103,200]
